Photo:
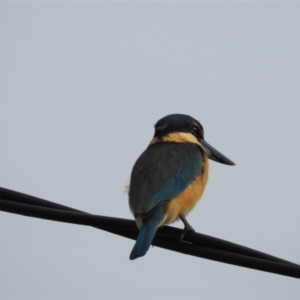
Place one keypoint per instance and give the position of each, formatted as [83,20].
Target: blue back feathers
[163,171]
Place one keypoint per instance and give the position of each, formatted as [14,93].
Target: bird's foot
[187,228]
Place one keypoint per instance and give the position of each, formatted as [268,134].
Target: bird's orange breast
[182,204]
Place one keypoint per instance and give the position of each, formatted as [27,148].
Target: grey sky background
[81,86]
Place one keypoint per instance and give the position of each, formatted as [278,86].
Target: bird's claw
[185,230]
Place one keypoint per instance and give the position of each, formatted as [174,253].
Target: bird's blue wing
[163,171]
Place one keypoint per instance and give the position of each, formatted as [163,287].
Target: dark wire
[167,237]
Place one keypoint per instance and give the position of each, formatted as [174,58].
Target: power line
[167,237]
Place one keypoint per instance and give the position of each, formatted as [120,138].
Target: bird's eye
[195,130]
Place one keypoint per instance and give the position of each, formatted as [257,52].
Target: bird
[169,177]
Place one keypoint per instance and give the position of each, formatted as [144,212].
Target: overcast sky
[81,86]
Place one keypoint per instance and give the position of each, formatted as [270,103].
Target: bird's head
[184,128]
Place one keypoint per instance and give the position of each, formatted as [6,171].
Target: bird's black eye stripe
[195,130]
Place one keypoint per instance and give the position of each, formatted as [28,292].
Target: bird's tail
[147,233]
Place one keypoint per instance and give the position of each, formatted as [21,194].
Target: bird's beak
[214,154]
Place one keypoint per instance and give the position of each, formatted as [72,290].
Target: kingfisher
[169,177]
